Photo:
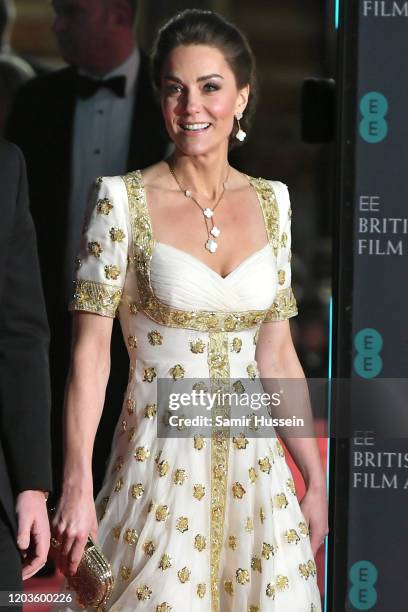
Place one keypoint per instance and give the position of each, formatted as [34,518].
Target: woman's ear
[242,100]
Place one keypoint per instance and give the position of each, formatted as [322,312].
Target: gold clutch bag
[93,581]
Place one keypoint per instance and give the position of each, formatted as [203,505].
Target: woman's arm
[277,359]
[75,518]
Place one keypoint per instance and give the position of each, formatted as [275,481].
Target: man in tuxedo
[25,466]
[99,116]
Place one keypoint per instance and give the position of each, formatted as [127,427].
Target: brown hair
[199,27]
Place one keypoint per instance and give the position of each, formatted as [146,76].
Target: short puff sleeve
[284,305]
[102,260]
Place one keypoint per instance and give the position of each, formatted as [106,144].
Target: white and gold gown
[196,524]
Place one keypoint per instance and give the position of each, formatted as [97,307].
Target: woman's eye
[173,89]
[211,87]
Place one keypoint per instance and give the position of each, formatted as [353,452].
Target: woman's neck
[204,176]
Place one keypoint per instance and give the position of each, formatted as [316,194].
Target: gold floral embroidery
[184,575]
[256,564]
[270,590]
[199,442]
[132,342]
[240,441]
[280,500]
[268,550]
[197,346]
[164,607]
[143,593]
[95,249]
[198,491]
[117,466]
[150,411]
[284,239]
[125,572]
[102,507]
[249,524]
[303,528]
[165,562]
[291,536]
[118,485]
[251,371]
[180,476]
[279,449]
[232,542]
[116,234]
[130,536]
[104,206]
[162,513]
[242,576]
[252,475]
[149,547]
[290,485]
[200,542]
[238,386]
[137,490]
[112,272]
[201,589]
[155,338]
[116,532]
[284,306]
[142,453]
[130,406]
[236,345]
[163,468]
[281,277]
[177,372]
[96,297]
[149,374]
[238,490]
[200,386]
[253,609]
[262,515]
[229,587]
[265,464]
[182,524]
[282,582]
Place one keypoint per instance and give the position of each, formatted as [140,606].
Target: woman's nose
[192,102]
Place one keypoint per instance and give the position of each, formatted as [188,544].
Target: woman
[196,258]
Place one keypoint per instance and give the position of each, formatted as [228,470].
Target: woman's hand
[74,520]
[315,509]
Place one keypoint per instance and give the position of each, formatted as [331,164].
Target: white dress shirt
[100,147]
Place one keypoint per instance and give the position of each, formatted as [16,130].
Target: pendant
[207,212]
[241,135]
[188,193]
[211,245]
[215,231]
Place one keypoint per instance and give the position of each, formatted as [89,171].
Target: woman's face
[199,98]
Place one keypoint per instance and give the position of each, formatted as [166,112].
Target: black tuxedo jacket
[41,124]
[24,338]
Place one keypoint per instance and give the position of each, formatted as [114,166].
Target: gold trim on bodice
[142,249]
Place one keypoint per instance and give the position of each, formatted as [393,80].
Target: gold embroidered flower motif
[124,425]
[197,346]
[265,464]
[131,434]
[303,528]
[116,531]
[282,582]
[130,405]
[149,547]
[177,372]
[165,562]
[184,575]
[164,607]
[232,542]
[249,524]
[268,550]
[200,386]
[116,234]
[270,590]
[152,506]
[229,587]
[262,515]
[162,513]
[289,212]
[199,442]
[240,441]
[198,491]
[280,500]
[219,471]
[118,485]
[150,411]
[163,468]
[311,565]
[155,338]
[251,370]
[133,308]
[143,593]
[238,490]
[142,453]
[104,206]
[102,507]
[130,536]
[200,542]
[117,466]
[132,342]
[281,277]
[253,609]
[242,576]
[125,572]
[284,239]
[252,475]
[180,476]
[279,448]
[137,490]
[238,386]
[149,374]
[201,589]
[112,272]
[291,536]
[236,345]
[256,564]
[95,249]
[182,524]
[290,485]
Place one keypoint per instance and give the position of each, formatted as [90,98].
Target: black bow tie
[87,87]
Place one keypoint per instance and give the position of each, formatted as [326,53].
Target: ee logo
[363,576]
[373,126]
[368,343]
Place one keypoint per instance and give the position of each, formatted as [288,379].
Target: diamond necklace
[211,244]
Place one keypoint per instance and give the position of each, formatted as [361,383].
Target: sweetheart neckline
[207,267]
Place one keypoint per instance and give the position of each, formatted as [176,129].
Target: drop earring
[240,135]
